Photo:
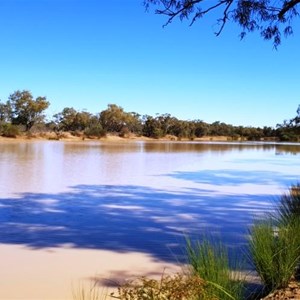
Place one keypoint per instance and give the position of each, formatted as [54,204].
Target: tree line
[21,113]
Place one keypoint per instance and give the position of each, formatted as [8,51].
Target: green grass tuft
[275,242]
[210,262]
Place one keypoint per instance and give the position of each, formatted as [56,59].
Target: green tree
[220,129]
[25,110]
[115,119]
[70,119]
[65,119]
[290,129]
[94,128]
[152,127]
[271,18]
[183,129]
[134,123]
[165,121]
[5,112]
[201,128]
[268,131]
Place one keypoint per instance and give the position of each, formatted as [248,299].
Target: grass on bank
[210,262]
[275,253]
[288,209]
[275,242]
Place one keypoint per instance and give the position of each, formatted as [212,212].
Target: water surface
[137,197]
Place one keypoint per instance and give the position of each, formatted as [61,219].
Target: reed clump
[210,261]
[275,242]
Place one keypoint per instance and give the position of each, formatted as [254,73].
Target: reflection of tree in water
[288,149]
[158,146]
[206,146]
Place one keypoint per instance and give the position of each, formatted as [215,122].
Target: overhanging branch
[286,7]
[203,12]
[225,17]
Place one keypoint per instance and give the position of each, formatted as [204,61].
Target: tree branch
[286,7]
[225,18]
[200,13]
[265,16]
[172,14]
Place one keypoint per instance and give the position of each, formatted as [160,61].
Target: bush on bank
[9,130]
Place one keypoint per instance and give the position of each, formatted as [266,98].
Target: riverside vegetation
[22,114]
[274,251]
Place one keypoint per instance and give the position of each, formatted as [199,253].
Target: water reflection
[35,148]
[220,147]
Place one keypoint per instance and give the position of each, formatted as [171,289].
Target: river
[74,211]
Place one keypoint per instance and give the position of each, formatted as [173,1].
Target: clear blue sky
[89,53]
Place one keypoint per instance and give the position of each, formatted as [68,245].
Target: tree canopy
[271,18]
[25,110]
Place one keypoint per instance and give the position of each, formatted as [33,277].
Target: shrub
[211,263]
[9,130]
[176,287]
[95,131]
[38,128]
[76,133]
[125,132]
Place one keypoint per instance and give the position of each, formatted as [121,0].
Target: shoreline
[57,272]
[68,137]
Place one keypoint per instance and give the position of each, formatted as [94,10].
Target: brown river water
[75,212]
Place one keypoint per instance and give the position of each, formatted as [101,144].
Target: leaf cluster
[271,18]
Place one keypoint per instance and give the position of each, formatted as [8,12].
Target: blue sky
[89,53]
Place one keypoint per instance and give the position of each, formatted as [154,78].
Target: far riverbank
[67,136]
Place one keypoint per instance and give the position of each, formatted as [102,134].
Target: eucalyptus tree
[25,110]
[69,119]
[271,18]
[5,112]
[65,119]
[115,119]
[152,127]
[290,129]
[201,128]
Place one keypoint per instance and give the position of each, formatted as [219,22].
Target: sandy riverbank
[109,138]
[52,273]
